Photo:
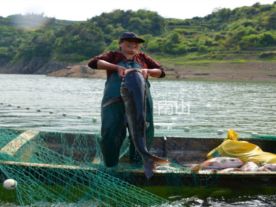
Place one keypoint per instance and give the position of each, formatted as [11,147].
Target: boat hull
[182,152]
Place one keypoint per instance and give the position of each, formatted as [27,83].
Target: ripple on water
[248,201]
[245,201]
[55,104]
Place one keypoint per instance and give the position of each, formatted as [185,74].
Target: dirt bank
[79,71]
[250,71]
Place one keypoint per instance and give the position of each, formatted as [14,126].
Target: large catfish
[133,92]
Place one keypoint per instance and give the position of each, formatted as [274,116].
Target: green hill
[37,44]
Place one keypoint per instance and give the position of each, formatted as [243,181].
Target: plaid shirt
[116,57]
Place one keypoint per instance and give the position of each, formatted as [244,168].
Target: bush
[258,40]
[268,55]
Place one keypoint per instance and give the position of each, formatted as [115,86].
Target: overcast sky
[85,9]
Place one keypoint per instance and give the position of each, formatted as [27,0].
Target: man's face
[130,47]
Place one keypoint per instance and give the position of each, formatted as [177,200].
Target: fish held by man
[133,92]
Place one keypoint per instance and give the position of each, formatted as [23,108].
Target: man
[117,64]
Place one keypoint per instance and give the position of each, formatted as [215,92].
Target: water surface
[181,108]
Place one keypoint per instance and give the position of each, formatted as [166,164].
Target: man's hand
[126,71]
[121,71]
[145,73]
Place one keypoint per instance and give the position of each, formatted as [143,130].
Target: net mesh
[58,168]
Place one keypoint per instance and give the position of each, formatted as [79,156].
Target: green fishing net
[57,168]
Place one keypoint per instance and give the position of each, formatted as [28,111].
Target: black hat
[131,36]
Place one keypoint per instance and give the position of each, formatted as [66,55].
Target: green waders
[114,125]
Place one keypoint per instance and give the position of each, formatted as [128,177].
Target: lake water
[181,108]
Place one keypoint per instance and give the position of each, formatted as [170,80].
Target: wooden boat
[181,151]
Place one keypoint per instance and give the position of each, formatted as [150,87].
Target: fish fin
[159,161]
[111,101]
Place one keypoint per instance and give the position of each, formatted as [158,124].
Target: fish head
[270,167]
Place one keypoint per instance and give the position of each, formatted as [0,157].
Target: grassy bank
[240,68]
[201,59]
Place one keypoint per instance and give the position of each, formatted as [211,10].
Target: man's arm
[104,61]
[102,64]
[154,68]
[156,72]
[107,57]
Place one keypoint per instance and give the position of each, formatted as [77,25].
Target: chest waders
[113,129]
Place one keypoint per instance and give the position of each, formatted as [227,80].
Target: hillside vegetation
[37,44]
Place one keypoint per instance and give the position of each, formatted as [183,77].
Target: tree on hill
[28,37]
[78,42]
[141,22]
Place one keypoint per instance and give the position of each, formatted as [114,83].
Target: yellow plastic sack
[243,150]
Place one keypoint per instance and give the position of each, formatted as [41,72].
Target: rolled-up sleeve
[151,63]
[108,56]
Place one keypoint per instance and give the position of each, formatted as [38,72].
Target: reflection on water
[181,108]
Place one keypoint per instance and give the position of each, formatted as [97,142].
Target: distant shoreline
[249,71]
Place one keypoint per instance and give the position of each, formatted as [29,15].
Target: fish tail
[150,164]
[148,168]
